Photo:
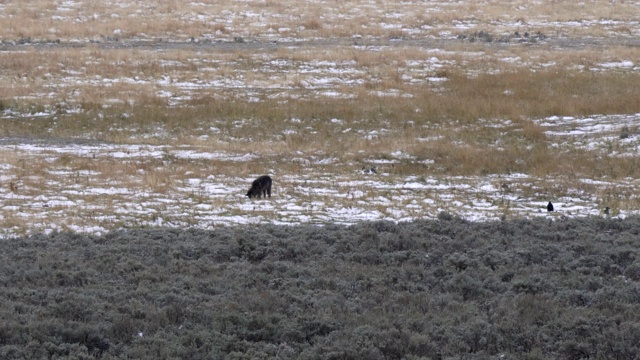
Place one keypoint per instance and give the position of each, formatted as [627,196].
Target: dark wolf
[260,186]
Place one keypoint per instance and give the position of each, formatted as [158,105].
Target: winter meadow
[413,145]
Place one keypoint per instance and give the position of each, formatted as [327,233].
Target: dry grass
[42,19]
[351,92]
[338,127]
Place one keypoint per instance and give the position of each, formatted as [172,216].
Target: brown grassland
[286,79]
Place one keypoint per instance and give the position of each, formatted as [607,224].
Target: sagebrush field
[437,289]
[413,148]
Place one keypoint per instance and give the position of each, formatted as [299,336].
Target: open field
[426,137]
[142,114]
[428,289]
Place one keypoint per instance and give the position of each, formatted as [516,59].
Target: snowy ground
[292,61]
[95,202]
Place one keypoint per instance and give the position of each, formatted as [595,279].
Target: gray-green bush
[439,289]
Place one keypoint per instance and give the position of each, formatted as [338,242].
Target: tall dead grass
[41,19]
[522,93]
[119,95]
[369,125]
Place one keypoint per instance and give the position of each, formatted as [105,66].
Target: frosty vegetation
[436,289]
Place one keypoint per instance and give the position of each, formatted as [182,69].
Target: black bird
[549,206]
[606,210]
